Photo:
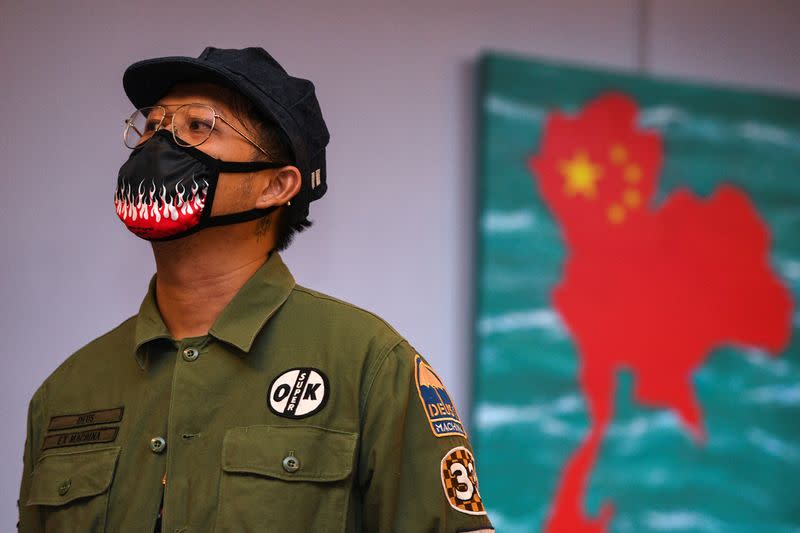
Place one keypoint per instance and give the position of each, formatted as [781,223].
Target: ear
[283,186]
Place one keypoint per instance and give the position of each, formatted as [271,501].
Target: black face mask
[165,191]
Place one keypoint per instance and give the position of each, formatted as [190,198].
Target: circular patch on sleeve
[460,481]
[298,393]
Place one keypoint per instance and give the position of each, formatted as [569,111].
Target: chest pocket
[285,478]
[72,488]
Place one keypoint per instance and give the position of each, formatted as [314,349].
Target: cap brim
[147,81]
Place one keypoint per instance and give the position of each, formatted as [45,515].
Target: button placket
[179,418]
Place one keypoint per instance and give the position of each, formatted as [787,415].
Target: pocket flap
[321,454]
[59,478]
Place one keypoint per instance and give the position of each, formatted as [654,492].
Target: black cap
[288,101]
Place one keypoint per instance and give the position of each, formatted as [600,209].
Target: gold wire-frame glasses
[191,125]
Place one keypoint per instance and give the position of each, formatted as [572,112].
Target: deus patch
[103,416]
[298,393]
[438,406]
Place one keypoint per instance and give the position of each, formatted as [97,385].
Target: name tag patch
[103,416]
[438,406]
[298,393]
[91,436]
[460,481]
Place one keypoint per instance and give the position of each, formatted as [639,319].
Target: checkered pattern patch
[460,481]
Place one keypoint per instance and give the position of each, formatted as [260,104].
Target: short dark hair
[274,141]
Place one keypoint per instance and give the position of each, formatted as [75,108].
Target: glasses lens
[193,124]
[142,124]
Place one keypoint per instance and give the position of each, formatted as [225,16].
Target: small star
[618,154]
[616,213]
[581,175]
[632,198]
[633,173]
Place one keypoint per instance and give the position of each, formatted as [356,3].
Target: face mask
[165,191]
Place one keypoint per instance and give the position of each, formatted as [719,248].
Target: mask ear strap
[244,216]
[249,166]
[222,166]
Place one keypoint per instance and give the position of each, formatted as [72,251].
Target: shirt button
[63,488]
[190,354]
[291,464]
[157,444]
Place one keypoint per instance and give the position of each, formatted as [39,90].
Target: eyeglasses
[191,125]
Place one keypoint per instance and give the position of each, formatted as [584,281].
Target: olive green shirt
[296,413]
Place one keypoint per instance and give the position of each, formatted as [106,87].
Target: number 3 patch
[460,481]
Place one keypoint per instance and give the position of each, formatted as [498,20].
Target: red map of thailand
[648,288]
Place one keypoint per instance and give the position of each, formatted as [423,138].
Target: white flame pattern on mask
[167,206]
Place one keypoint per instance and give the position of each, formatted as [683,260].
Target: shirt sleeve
[417,469]
[30,520]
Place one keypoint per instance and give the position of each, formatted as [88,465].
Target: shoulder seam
[373,374]
[322,296]
[104,335]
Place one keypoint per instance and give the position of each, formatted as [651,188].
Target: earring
[289,203]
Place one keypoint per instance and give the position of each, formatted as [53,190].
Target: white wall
[395,81]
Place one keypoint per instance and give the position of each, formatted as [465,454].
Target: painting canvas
[636,318]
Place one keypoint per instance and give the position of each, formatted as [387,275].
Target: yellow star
[581,175]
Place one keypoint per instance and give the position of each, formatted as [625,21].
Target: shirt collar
[238,323]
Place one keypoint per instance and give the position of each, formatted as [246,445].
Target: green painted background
[528,413]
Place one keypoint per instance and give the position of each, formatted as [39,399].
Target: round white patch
[298,393]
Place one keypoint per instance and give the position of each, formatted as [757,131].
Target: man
[237,400]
